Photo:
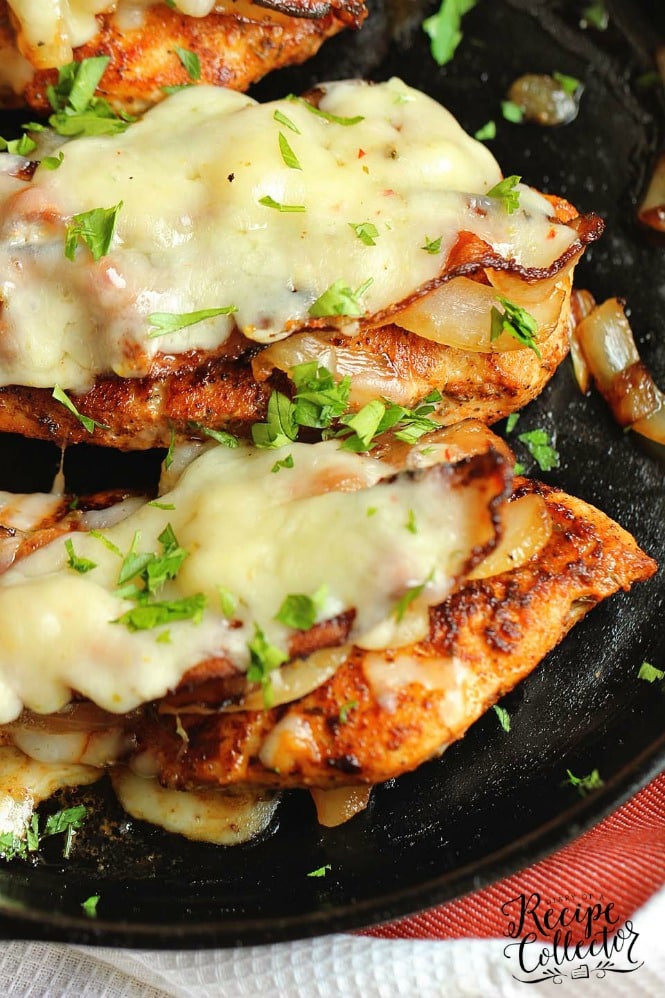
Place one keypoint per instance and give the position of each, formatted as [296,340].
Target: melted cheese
[192,233]
[327,522]
[24,783]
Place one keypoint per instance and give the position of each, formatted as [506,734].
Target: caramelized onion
[606,340]
[543,99]
[205,816]
[458,314]
[582,303]
[526,529]
[652,209]
[334,807]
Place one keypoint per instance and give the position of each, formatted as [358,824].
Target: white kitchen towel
[337,966]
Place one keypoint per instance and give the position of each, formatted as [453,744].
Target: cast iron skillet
[495,802]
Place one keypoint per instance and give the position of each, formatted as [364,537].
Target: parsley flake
[595,15]
[81,565]
[269,202]
[505,192]
[86,422]
[540,447]
[22,146]
[90,905]
[512,421]
[280,428]
[321,872]
[504,717]
[569,84]
[432,246]
[264,658]
[515,321]
[76,109]
[333,118]
[486,132]
[146,616]
[161,505]
[288,155]
[512,112]
[366,232]
[585,784]
[286,462]
[190,62]
[346,709]
[287,122]
[52,162]
[222,437]
[95,228]
[444,28]
[650,673]
[171,322]
[339,299]
[299,611]
[411,524]
[168,458]
[411,594]
[228,602]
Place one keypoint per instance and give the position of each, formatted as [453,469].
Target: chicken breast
[235,43]
[231,242]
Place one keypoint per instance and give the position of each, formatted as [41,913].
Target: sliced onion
[334,807]
[652,209]
[527,527]
[528,294]
[582,303]
[458,314]
[372,376]
[625,383]
[289,683]
[205,816]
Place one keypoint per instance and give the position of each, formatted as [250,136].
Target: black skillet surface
[496,801]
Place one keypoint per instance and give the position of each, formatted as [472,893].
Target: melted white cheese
[192,233]
[259,535]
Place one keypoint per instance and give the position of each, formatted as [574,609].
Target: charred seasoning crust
[495,630]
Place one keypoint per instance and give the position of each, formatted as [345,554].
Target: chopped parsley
[286,462]
[95,228]
[333,118]
[364,425]
[161,505]
[228,602]
[512,112]
[596,16]
[287,122]
[147,616]
[152,570]
[650,673]
[569,84]
[411,594]
[504,717]
[87,422]
[90,905]
[319,399]
[263,659]
[280,428]
[288,155]
[505,192]
[171,322]
[222,437]
[299,611]
[65,822]
[512,421]
[52,162]
[346,709]
[432,246]
[486,132]
[269,202]
[444,28]
[190,62]
[539,445]
[168,458]
[339,299]
[366,232]
[377,417]
[321,872]
[22,146]
[81,565]
[411,524]
[585,784]
[515,321]
[76,109]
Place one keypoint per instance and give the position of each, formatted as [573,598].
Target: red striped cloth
[620,861]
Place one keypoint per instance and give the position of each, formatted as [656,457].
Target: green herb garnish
[486,132]
[289,157]
[264,658]
[146,616]
[299,611]
[90,905]
[540,447]
[432,246]
[95,228]
[505,192]
[270,202]
[81,565]
[366,232]
[339,299]
[569,84]
[504,717]
[333,118]
[76,109]
[220,436]
[444,28]
[585,784]
[190,62]
[86,422]
[321,872]
[515,321]
[650,673]
[284,120]
[286,462]
[171,322]
[512,112]
[346,709]
[22,146]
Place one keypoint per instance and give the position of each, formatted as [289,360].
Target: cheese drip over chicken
[256,209]
[332,528]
